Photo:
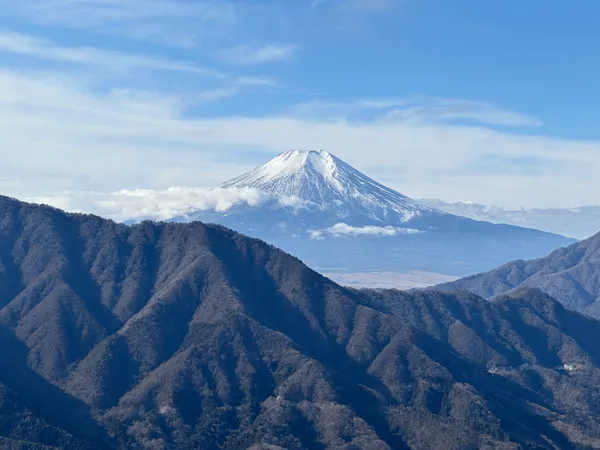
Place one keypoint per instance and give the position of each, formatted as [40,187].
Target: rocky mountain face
[571,275]
[184,336]
[337,219]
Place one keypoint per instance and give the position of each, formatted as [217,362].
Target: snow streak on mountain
[327,183]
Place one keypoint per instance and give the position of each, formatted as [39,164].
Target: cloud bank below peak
[137,204]
[343,229]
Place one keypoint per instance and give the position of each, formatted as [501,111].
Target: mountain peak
[319,177]
[304,154]
[319,160]
[291,172]
[305,157]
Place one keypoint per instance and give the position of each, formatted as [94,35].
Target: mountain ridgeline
[184,336]
[571,275]
[327,213]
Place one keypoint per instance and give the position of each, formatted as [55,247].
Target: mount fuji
[338,220]
[327,184]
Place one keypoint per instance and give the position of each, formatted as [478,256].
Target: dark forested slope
[571,275]
[184,336]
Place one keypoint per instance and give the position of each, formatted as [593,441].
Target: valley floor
[390,280]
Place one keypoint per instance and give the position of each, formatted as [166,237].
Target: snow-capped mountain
[326,183]
[337,219]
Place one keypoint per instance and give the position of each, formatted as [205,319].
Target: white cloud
[41,49]
[417,109]
[214,94]
[343,229]
[436,109]
[60,134]
[248,55]
[258,81]
[176,22]
[358,6]
[129,204]
[324,108]
[368,6]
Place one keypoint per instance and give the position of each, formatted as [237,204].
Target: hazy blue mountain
[581,222]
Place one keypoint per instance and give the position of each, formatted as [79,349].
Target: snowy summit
[324,180]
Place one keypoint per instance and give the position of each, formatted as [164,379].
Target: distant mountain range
[178,336]
[571,275]
[338,220]
[580,223]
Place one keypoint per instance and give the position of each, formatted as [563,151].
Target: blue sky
[494,102]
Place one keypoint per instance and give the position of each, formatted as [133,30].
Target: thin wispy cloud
[258,81]
[249,55]
[417,109]
[368,6]
[438,109]
[357,6]
[30,46]
[176,22]
[213,95]
[331,108]
[317,3]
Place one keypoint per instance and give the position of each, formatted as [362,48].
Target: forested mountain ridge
[181,336]
[571,275]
